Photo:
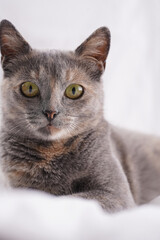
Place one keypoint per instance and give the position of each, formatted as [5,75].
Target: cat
[54,136]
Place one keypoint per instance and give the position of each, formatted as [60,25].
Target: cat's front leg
[109,201]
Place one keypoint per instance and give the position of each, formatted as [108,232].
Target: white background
[132,77]
[132,99]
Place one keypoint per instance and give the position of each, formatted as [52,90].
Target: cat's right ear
[12,44]
[96,47]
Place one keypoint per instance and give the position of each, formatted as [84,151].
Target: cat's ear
[96,47]
[12,44]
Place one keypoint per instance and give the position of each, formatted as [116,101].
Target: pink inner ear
[7,49]
[102,53]
[11,41]
[98,54]
[96,47]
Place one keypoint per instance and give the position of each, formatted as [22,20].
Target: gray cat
[54,137]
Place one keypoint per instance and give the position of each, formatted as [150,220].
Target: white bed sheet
[33,215]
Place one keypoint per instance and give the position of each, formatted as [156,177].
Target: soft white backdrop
[132,77]
[132,99]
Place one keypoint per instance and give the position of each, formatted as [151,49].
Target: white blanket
[33,215]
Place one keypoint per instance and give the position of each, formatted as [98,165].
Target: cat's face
[51,95]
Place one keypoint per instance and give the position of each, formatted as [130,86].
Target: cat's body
[60,142]
[139,155]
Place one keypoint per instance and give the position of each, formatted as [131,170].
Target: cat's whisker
[21,113]
[14,133]
[20,122]
[17,125]
[74,116]
[71,127]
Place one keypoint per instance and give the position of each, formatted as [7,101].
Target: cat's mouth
[49,129]
[50,125]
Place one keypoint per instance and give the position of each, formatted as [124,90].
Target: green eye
[29,89]
[74,91]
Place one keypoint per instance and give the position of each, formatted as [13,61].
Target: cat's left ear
[12,44]
[96,47]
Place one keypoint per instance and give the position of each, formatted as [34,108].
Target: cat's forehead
[51,67]
[46,62]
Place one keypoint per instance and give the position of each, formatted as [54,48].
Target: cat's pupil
[73,90]
[30,88]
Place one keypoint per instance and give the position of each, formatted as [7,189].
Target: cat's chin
[50,132]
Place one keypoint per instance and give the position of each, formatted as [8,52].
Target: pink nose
[50,114]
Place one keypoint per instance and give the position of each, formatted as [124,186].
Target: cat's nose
[50,115]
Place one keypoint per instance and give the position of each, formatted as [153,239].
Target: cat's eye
[29,89]
[74,91]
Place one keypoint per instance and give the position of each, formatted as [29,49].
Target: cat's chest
[49,167]
[38,153]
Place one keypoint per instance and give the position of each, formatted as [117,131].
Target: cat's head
[51,94]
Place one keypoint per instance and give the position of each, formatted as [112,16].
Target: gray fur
[81,154]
